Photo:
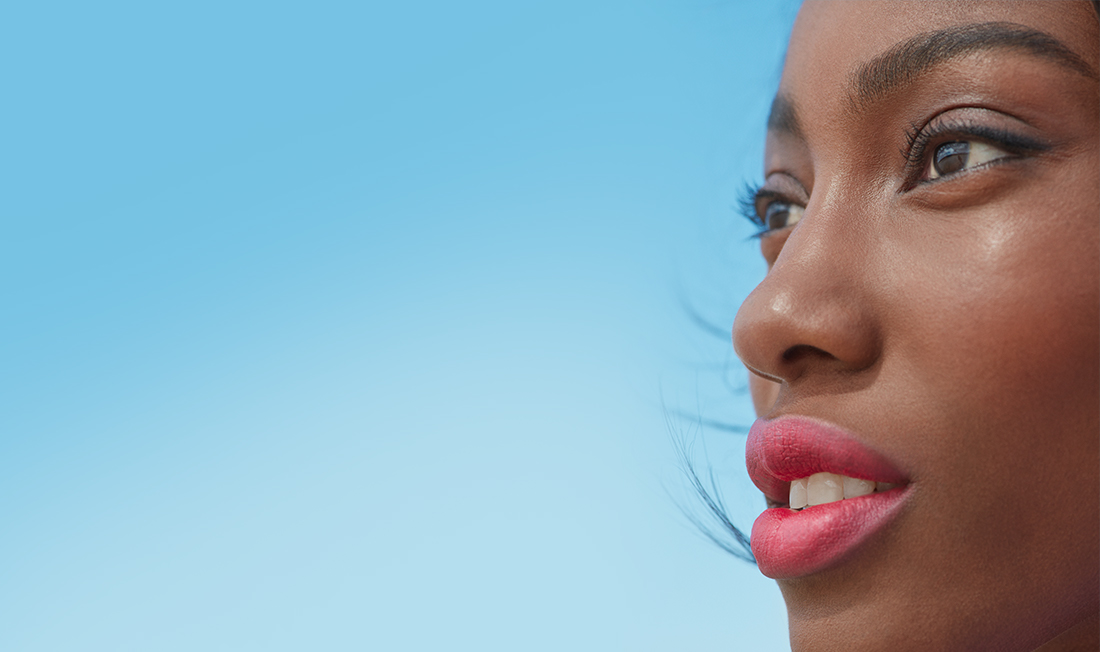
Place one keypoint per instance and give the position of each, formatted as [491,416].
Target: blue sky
[356,326]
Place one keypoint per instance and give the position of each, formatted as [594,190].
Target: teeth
[798,494]
[822,488]
[855,487]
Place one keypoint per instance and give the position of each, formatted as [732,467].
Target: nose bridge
[813,310]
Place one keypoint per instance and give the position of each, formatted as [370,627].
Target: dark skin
[949,315]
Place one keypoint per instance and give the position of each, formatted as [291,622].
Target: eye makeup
[953,143]
[929,149]
[772,207]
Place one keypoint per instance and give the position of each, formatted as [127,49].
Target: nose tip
[802,320]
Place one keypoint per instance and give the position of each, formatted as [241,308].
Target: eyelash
[749,199]
[921,143]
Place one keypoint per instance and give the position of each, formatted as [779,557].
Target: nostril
[803,351]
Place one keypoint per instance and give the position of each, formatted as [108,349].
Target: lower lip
[790,544]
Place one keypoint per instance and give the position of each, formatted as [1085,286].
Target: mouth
[828,494]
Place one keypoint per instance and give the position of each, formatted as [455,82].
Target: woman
[924,348]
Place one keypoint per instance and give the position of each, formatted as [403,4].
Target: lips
[788,543]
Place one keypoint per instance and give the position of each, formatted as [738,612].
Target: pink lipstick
[789,543]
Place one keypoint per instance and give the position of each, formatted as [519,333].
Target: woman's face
[933,186]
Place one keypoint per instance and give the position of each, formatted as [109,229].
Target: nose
[815,313]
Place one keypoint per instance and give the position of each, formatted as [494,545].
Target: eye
[960,155]
[781,214]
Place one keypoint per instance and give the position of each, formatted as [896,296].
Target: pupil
[951,157]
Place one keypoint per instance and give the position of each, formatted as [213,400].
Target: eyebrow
[904,62]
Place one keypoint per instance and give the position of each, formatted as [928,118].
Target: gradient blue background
[359,326]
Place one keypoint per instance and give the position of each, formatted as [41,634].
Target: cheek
[1012,382]
[1002,305]
[990,387]
[1000,334]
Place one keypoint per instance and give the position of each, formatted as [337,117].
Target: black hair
[717,525]
[715,522]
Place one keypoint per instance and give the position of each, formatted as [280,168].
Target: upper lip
[792,447]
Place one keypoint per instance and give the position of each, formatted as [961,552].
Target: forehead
[831,40]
